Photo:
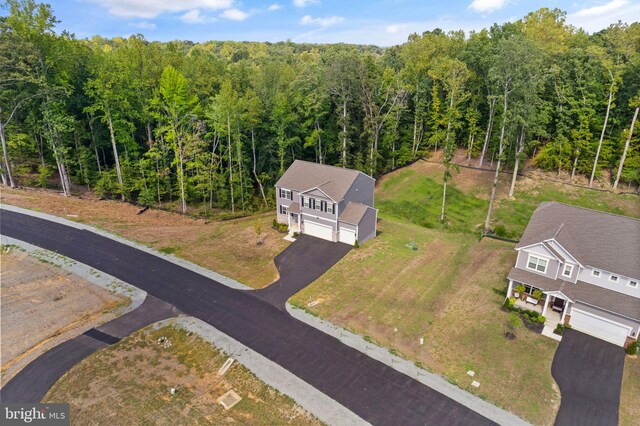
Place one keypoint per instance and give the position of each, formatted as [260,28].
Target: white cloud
[274,7]
[193,17]
[144,25]
[487,6]
[596,18]
[322,22]
[304,3]
[148,9]
[234,15]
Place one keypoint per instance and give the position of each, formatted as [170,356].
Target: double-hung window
[633,283]
[613,278]
[283,209]
[286,193]
[567,270]
[537,263]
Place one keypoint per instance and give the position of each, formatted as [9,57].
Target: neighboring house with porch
[327,202]
[586,265]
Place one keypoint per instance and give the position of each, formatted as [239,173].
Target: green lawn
[414,197]
[414,194]
[449,291]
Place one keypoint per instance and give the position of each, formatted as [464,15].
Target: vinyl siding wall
[360,192]
[603,281]
[367,226]
[552,265]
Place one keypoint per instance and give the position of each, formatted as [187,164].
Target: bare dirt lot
[130,382]
[228,247]
[42,305]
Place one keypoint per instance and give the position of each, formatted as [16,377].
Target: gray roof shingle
[353,213]
[333,181]
[598,239]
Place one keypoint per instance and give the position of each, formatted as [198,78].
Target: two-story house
[327,202]
[587,265]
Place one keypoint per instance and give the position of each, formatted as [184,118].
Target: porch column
[509,288]
[546,303]
[289,220]
[564,311]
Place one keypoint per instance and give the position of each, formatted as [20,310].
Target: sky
[379,22]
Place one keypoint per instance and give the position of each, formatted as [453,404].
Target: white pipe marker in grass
[225,366]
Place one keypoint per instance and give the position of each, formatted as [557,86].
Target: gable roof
[333,181]
[353,213]
[598,239]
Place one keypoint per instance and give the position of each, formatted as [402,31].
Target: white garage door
[347,236]
[599,327]
[318,230]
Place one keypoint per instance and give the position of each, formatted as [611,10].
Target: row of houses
[584,263]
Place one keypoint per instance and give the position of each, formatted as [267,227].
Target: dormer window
[595,273]
[537,264]
[613,278]
[633,283]
[567,271]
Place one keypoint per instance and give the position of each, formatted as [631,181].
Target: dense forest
[213,125]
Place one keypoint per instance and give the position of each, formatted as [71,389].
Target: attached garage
[597,326]
[347,235]
[318,230]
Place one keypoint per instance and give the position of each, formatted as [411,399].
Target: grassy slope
[130,381]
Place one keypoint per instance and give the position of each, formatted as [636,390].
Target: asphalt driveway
[300,264]
[589,373]
[33,382]
[372,390]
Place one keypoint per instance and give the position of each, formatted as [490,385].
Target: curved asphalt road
[369,388]
[296,272]
[33,382]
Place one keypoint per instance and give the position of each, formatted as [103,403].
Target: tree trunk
[626,148]
[519,149]
[181,179]
[319,143]
[233,206]
[40,148]
[487,137]
[415,135]
[344,133]
[471,140]
[444,197]
[7,163]
[213,154]
[115,155]
[604,128]
[93,142]
[487,222]
[575,165]
[255,174]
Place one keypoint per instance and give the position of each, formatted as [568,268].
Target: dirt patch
[228,247]
[42,306]
[133,380]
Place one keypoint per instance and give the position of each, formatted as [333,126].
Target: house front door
[295,226]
